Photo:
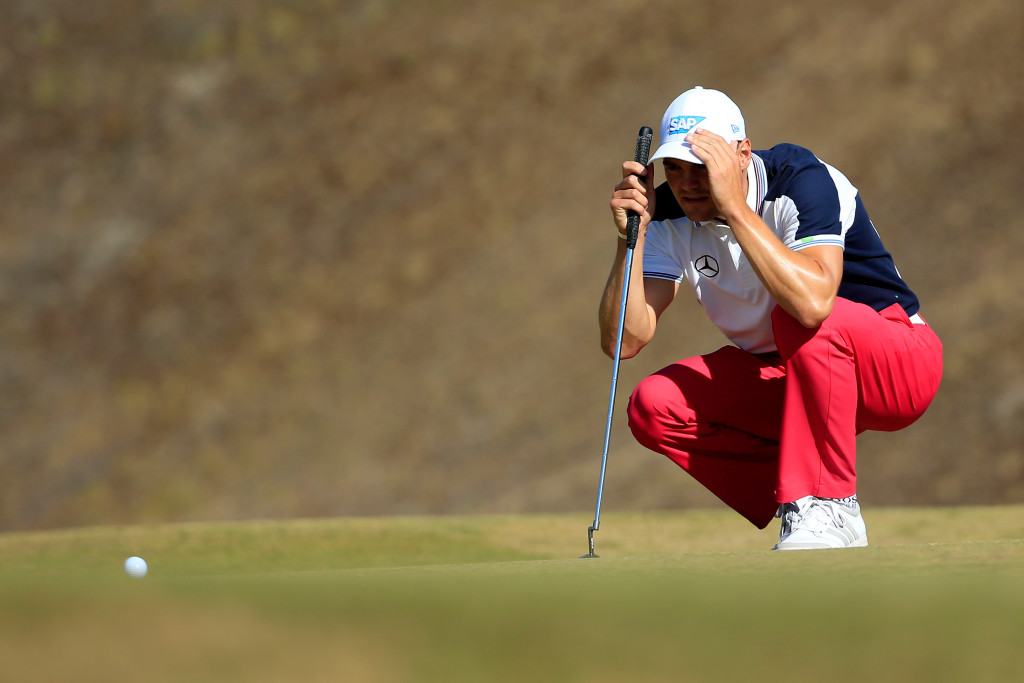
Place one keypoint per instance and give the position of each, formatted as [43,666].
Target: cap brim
[676,150]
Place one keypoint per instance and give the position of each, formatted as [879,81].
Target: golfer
[827,339]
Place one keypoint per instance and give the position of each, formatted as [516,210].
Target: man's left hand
[725,169]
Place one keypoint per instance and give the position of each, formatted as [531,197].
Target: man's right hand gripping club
[634,193]
[647,299]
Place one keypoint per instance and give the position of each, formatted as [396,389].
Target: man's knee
[653,408]
[641,410]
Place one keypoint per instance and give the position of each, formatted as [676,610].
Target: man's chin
[699,211]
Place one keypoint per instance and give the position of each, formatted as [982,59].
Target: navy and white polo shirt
[805,202]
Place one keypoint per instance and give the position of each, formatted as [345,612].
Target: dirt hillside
[264,259]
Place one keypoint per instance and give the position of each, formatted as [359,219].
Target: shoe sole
[782,545]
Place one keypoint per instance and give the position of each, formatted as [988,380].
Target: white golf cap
[698,108]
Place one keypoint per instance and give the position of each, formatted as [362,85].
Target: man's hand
[634,193]
[726,170]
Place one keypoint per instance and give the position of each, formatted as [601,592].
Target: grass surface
[938,596]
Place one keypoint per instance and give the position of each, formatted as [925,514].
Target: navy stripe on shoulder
[662,276]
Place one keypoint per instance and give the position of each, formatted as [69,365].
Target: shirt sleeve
[812,214]
[661,253]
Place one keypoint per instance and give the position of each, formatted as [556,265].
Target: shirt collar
[757,184]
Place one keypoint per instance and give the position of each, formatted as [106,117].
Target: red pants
[759,430]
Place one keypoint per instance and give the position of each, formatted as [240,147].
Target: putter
[643,151]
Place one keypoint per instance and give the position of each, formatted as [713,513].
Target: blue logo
[735,128]
[683,124]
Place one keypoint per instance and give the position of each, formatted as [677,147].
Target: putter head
[590,539]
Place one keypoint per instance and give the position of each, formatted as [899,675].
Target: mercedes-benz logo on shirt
[706,265]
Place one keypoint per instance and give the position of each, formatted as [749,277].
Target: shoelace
[820,513]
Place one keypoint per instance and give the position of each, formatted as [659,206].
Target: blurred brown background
[328,257]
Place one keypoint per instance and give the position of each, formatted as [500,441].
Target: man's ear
[743,149]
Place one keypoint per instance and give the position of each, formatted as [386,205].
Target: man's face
[690,185]
[692,188]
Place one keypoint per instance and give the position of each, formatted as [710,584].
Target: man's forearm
[639,324]
[803,283]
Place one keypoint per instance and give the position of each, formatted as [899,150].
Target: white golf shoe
[819,523]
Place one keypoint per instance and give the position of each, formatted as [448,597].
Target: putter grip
[642,154]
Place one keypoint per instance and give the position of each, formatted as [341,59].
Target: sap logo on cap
[683,124]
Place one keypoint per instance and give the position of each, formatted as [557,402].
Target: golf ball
[135,566]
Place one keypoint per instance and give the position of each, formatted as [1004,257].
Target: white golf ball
[135,566]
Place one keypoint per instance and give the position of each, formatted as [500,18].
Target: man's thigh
[728,387]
